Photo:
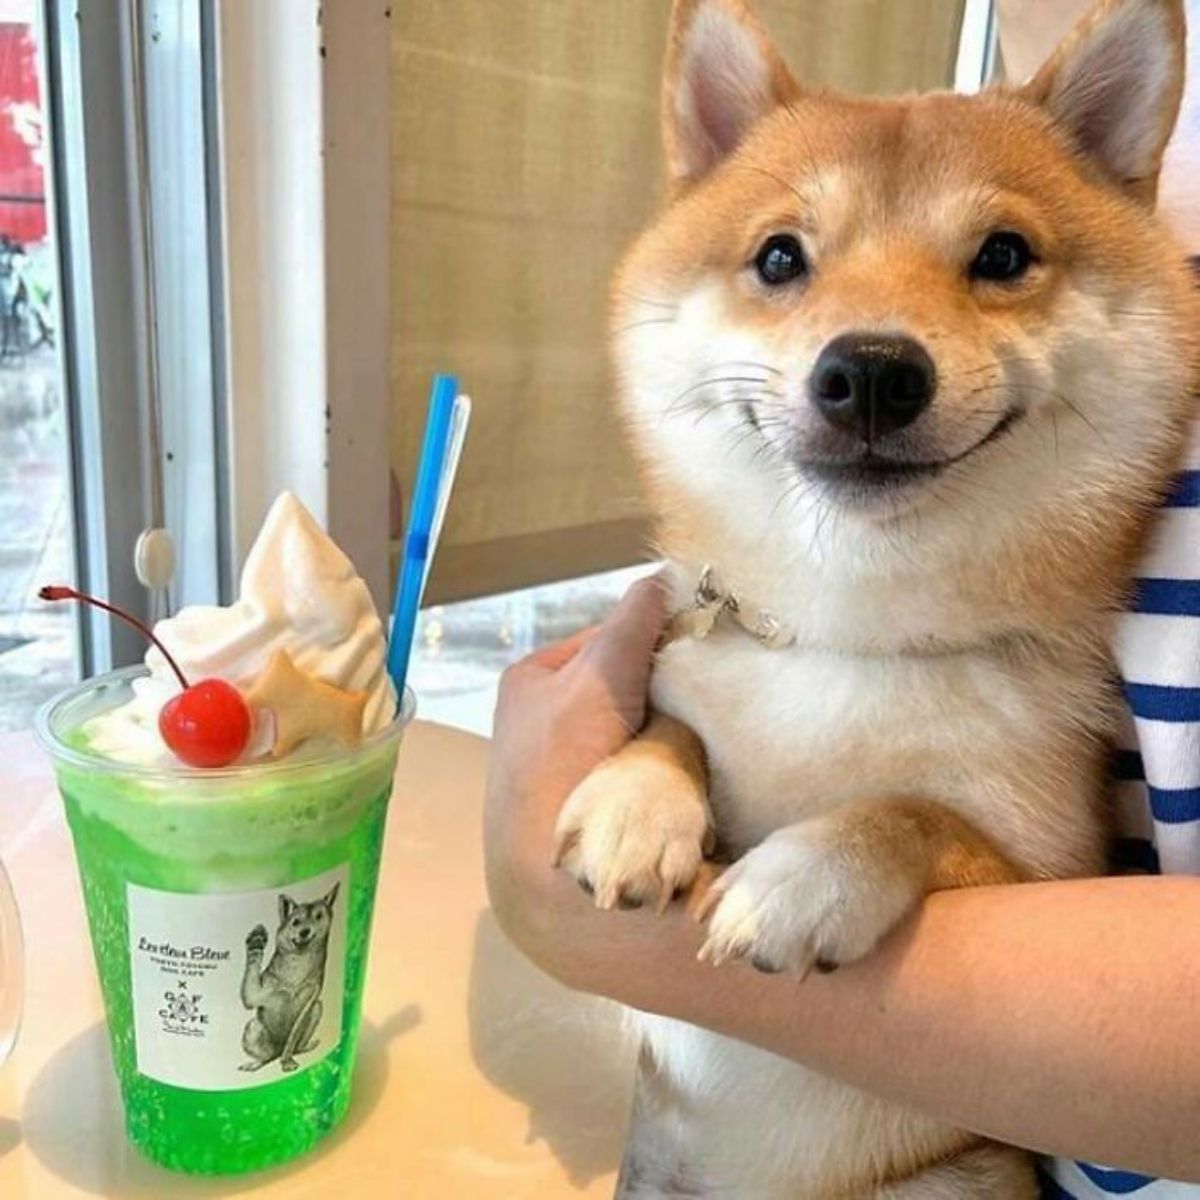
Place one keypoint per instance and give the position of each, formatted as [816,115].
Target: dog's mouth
[871,472]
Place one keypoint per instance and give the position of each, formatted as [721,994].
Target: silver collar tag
[714,601]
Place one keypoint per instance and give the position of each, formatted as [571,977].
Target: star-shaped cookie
[305,706]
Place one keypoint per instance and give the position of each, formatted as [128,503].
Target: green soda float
[229,858]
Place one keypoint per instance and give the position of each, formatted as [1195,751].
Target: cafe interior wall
[525,156]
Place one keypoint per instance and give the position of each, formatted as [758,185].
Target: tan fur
[985,1172]
[667,739]
[940,717]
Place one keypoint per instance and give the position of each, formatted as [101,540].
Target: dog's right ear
[722,75]
[286,907]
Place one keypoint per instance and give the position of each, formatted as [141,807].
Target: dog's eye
[780,260]
[1002,258]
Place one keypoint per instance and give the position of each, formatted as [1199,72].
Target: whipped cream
[299,593]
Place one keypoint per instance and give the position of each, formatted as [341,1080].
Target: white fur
[796,900]
[792,735]
[778,1130]
[807,560]
[634,830]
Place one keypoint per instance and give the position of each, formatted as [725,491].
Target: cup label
[235,990]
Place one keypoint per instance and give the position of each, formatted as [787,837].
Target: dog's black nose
[872,384]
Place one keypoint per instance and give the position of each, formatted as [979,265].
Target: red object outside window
[22,136]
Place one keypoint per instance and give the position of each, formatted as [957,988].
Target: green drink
[230,914]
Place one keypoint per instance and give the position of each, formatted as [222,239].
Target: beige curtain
[526,156]
[1027,31]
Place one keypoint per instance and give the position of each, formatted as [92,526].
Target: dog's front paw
[812,894]
[256,939]
[635,830]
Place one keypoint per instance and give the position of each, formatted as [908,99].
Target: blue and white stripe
[1073,1181]
[1156,764]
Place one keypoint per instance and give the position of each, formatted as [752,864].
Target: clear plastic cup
[230,914]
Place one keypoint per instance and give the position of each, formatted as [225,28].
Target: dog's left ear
[1115,86]
[722,75]
[330,897]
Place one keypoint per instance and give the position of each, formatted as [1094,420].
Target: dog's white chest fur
[794,732]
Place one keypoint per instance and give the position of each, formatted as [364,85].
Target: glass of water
[12,967]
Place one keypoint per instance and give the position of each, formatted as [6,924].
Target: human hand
[562,711]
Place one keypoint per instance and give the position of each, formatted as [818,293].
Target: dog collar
[714,602]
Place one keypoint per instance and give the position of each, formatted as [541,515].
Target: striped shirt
[1156,765]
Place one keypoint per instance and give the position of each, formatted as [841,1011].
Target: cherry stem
[56,592]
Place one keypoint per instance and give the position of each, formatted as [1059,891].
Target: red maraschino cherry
[208,723]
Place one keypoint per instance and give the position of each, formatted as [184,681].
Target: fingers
[625,643]
[558,654]
[615,665]
[628,634]
[607,666]
[638,618]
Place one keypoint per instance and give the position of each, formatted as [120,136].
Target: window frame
[110,171]
[297,393]
[99,347]
[303,107]
[977,43]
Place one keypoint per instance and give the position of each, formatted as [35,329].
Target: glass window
[37,642]
[462,648]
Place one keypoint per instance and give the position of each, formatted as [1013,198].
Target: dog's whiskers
[1053,394]
[650,301]
[998,366]
[647,321]
[754,366]
[706,384]
[738,400]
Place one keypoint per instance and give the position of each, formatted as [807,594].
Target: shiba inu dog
[286,994]
[906,378]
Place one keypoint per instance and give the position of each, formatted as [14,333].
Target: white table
[477,1076]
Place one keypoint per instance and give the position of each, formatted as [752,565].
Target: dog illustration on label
[286,995]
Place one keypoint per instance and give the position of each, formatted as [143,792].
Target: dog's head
[938,314]
[303,926]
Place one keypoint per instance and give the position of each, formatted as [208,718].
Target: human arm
[1059,1016]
